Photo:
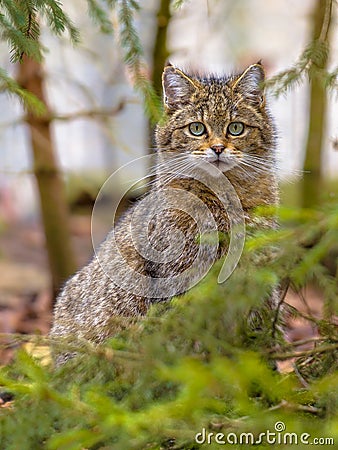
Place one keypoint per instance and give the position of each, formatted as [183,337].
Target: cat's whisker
[260,163]
[181,165]
[269,160]
[245,164]
[165,171]
[246,172]
[170,164]
[258,167]
[177,170]
[260,157]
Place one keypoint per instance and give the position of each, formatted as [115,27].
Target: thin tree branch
[326,21]
[316,350]
[90,113]
[305,341]
[279,305]
[302,380]
[291,406]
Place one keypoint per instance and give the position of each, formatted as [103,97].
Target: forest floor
[26,301]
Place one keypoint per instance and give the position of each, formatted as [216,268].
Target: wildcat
[217,121]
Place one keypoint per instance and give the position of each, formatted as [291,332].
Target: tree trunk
[312,183]
[159,56]
[49,181]
[160,52]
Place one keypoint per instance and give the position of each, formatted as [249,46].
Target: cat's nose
[218,148]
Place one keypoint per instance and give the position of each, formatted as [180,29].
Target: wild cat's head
[222,120]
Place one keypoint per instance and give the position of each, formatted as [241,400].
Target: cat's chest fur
[201,226]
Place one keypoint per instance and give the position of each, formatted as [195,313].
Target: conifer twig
[310,62]
[323,36]
[304,341]
[316,350]
[284,404]
[277,312]
[300,377]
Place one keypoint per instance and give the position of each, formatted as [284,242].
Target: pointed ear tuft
[178,88]
[249,84]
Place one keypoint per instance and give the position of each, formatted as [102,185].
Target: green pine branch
[58,20]
[309,64]
[30,101]
[331,79]
[133,57]
[99,16]
[16,27]
[312,62]
[177,4]
[19,25]
[157,384]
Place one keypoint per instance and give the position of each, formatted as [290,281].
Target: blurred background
[96,123]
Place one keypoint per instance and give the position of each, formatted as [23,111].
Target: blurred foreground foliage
[195,363]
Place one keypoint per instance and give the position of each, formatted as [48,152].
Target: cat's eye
[197,128]
[235,128]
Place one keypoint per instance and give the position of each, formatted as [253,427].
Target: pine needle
[29,101]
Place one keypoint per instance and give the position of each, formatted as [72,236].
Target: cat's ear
[249,84]
[178,88]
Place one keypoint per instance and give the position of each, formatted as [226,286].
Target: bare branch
[316,350]
[89,113]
